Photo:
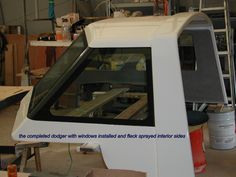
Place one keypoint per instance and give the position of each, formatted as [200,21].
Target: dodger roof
[140,31]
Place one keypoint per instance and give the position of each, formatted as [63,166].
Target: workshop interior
[117,88]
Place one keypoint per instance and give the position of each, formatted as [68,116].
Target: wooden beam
[133,109]
[133,95]
[90,106]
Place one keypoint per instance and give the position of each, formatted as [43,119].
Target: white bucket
[222,129]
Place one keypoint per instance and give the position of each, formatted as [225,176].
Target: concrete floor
[55,159]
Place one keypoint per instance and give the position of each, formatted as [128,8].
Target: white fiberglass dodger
[123,84]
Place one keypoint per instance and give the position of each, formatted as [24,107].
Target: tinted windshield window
[62,66]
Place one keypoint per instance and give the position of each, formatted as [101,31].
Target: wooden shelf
[134,4]
[51,43]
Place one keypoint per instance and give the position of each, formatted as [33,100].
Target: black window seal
[56,87]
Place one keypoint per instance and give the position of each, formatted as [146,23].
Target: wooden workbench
[11,94]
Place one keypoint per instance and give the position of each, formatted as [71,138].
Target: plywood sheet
[9,65]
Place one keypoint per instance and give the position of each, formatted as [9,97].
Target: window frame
[44,114]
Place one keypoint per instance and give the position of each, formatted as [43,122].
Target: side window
[115,84]
[187,52]
[201,72]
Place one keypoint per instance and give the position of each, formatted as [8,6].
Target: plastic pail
[222,129]
[198,154]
